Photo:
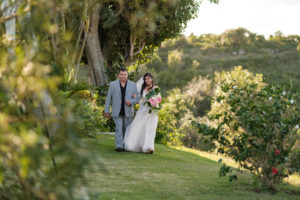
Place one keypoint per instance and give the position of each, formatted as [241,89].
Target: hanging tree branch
[6,18]
[81,50]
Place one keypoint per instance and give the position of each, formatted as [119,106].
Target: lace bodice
[143,107]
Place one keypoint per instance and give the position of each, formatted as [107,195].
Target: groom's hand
[128,103]
[107,115]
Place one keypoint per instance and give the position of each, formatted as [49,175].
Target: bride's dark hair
[144,84]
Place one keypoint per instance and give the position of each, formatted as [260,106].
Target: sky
[264,17]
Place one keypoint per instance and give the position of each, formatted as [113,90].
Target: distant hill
[179,60]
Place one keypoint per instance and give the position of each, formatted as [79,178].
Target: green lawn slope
[169,173]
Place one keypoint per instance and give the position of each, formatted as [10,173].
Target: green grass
[169,173]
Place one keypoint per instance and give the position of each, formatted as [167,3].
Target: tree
[129,31]
[235,38]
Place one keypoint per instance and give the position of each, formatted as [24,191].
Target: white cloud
[259,16]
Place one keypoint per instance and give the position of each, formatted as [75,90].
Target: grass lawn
[169,173]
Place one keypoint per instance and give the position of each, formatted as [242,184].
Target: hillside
[169,173]
[180,60]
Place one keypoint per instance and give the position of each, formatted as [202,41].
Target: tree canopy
[129,31]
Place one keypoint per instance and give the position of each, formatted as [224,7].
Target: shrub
[255,124]
[167,132]
[90,107]
[294,161]
[191,138]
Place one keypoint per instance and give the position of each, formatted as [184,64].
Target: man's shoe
[119,149]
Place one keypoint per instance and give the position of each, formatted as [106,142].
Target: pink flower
[152,102]
[277,152]
[274,170]
[159,99]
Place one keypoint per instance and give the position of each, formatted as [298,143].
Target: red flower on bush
[277,152]
[274,170]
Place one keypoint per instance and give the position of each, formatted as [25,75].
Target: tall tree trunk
[85,29]
[96,59]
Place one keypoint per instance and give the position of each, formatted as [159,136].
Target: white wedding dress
[140,134]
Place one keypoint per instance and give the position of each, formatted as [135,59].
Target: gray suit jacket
[114,96]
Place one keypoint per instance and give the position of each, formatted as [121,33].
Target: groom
[121,93]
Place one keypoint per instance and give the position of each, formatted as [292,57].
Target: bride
[140,134]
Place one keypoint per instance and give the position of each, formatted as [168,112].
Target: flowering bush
[256,126]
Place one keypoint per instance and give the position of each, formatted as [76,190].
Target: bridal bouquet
[153,99]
